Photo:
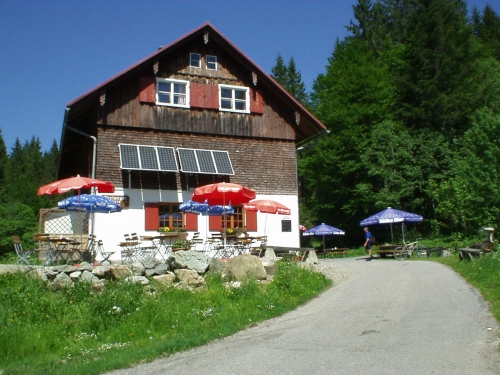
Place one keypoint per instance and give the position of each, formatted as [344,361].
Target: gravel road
[381,317]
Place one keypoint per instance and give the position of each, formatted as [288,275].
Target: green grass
[75,331]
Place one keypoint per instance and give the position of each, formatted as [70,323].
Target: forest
[411,98]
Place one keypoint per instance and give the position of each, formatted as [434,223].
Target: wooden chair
[22,254]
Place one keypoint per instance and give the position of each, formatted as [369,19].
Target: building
[194,112]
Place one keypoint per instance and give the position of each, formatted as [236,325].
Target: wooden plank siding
[268,166]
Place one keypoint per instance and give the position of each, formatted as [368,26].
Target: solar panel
[129,157]
[223,163]
[187,158]
[205,161]
[166,156]
[148,158]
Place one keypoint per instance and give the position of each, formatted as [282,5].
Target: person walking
[368,242]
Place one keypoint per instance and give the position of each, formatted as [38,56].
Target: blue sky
[52,51]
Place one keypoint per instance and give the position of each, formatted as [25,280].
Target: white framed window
[195,60]
[234,99]
[172,92]
[211,62]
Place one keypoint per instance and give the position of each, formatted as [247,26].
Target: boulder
[75,275]
[118,272]
[62,281]
[189,278]
[150,262]
[38,273]
[245,267]
[269,255]
[165,279]
[100,271]
[312,258]
[193,260]
[139,269]
[270,267]
[89,277]
[219,266]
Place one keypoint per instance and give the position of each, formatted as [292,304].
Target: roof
[226,43]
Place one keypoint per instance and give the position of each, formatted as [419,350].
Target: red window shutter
[212,96]
[251,220]
[215,223]
[192,222]
[197,94]
[256,101]
[152,216]
[147,90]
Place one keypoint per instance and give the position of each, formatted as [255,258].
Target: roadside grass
[75,331]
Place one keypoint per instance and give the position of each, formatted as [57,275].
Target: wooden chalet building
[195,112]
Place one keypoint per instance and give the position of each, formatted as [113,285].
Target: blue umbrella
[89,203]
[390,216]
[323,230]
[204,209]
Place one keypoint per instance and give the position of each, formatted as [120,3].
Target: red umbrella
[76,183]
[223,193]
[268,207]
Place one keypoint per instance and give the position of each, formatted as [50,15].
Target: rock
[269,256]
[166,279]
[75,275]
[150,262]
[139,269]
[100,271]
[219,266]
[67,268]
[189,278]
[160,269]
[270,267]
[62,281]
[194,260]
[85,266]
[38,273]
[446,253]
[138,279]
[89,277]
[245,267]
[118,273]
[312,258]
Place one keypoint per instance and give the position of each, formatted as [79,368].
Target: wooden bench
[338,252]
[468,253]
[285,250]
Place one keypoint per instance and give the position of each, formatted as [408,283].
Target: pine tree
[296,86]
[280,72]
[487,29]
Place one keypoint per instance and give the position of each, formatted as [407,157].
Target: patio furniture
[22,254]
[102,254]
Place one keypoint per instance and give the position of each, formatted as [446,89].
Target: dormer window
[195,60]
[211,62]
[172,92]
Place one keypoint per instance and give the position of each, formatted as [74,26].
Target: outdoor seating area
[51,249]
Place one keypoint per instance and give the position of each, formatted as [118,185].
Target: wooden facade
[261,142]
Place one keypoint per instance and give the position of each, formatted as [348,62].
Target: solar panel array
[149,158]
[157,158]
[205,161]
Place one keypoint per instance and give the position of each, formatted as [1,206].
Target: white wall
[110,228]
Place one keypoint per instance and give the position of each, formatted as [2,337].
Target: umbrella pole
[392,235]
[323,244]
[403,231]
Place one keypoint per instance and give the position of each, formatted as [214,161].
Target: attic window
[234,99]
[172,92]
[211,62]
[195,60]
